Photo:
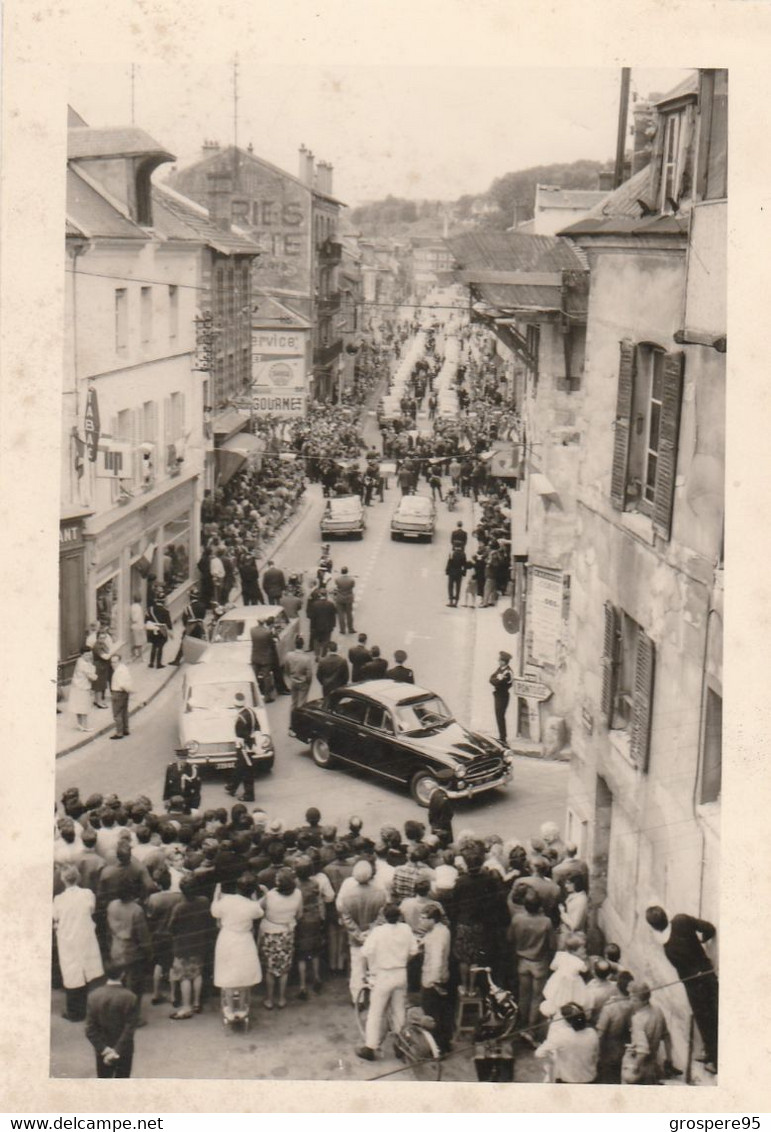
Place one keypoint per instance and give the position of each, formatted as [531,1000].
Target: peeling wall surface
[649,841]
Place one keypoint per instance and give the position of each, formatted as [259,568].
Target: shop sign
[71,535]
[289,405]
[91,424]
[279,343]
[279,387]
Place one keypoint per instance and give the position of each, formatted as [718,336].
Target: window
[646,431]
[174,429]
[146,315]
[533,343]
[149,422]
[712,747]
[108,598]
[628,661]
[173,313]
[350,708]
[379,718]
[121,319]
[673,125]
[175,552]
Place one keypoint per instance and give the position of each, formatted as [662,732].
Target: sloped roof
[519,252]
[126,141]
[513,251]
[622,214]
[688,86]
[243,156]
[272,314]
[179,218]
[94,215]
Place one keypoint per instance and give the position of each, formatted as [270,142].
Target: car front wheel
[422,787]
[321,754]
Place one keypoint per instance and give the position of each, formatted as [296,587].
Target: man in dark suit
[111,1018]
[376,667]
[273,583]
[683,938]
[262,659]
[322,616]
[193,616]
[158,629]
[332,670]
[399,671]
[358,655]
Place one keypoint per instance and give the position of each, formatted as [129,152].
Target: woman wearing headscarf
[236,962]
[476,908]
[283,906]
[77,946]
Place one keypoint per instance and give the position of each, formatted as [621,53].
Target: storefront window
[108,599]
[176,552]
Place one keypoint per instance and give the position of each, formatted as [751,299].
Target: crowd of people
[177,902]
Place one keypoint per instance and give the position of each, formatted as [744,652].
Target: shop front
[72,591]
[155,545]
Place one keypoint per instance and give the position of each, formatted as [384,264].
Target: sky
[417,132]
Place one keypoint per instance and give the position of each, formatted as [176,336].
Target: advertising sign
[545,615]
[279,343]
[91,424]
[279,387]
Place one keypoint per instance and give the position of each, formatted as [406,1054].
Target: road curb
[291,527]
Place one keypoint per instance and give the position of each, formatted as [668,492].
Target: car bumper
[223,760]
[478,788]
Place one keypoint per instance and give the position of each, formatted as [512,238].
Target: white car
[343,515]
[208,713]
[231,640]
[415,517]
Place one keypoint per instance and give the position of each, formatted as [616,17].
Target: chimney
[210,146]
[330,170]
[643,131]
[303,151]
[309,169]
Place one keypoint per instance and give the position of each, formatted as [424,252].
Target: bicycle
[413,1043]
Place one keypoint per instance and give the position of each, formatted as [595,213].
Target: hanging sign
[91,424]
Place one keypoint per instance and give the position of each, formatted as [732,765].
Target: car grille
[400,525]
[483,770]
[216,749]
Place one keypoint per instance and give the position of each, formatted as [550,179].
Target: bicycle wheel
[420,1052]
[361,1009]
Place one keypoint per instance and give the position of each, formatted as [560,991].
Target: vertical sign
[546,596]
[91,424]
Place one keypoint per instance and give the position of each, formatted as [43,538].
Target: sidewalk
[150,682]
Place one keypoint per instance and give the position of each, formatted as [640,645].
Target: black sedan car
[403,734]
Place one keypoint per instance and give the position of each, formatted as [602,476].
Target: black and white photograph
[391,552]
[364,725]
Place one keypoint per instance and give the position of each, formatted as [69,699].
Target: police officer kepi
[247,723]
[192,618]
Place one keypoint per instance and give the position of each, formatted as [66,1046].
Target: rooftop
[123,141]
[623,213]
[520,254]
[552,196]
[179,218]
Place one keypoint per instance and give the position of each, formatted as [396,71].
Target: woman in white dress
[81,695]
[236,962]
[79,958]
[138,631]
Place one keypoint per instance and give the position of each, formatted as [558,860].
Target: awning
[229,422]
[235,452]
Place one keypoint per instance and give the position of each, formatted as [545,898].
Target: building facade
[133,444]
[293,220]
[647,589]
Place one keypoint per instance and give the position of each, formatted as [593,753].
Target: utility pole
[133,83]
[235,121]
[623,114]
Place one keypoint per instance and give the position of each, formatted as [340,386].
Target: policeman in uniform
[399,671]
[501,681]
[247,723]
[192,618]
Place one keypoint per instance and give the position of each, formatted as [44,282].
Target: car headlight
[191,746]
[508,757]
[460,772]
[266,744]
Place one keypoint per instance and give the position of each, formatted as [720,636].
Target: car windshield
[220,697]
[423,715]
[348,505]
[414,505]
[229,630]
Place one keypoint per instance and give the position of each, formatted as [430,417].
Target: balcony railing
[329,305]
[330,253]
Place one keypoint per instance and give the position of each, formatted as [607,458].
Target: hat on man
[505,656]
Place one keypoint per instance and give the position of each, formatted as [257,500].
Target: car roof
[252,612]
[389,692]
[407,503]
[213,671]
[345,503]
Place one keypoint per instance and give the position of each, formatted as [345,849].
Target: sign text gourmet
[282,405]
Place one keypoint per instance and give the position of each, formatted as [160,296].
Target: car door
[346,725]
[380,749]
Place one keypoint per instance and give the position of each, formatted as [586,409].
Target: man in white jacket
[386,952]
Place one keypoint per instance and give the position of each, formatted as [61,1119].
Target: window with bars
[628,663]
[646,432]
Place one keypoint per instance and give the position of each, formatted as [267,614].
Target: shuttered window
[627,669]
[646,431]
[626,374]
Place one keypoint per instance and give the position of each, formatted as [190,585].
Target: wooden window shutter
[609,660]
[626,375]
[642,708]
[666,465]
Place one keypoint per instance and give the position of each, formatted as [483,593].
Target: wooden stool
[468,1014]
